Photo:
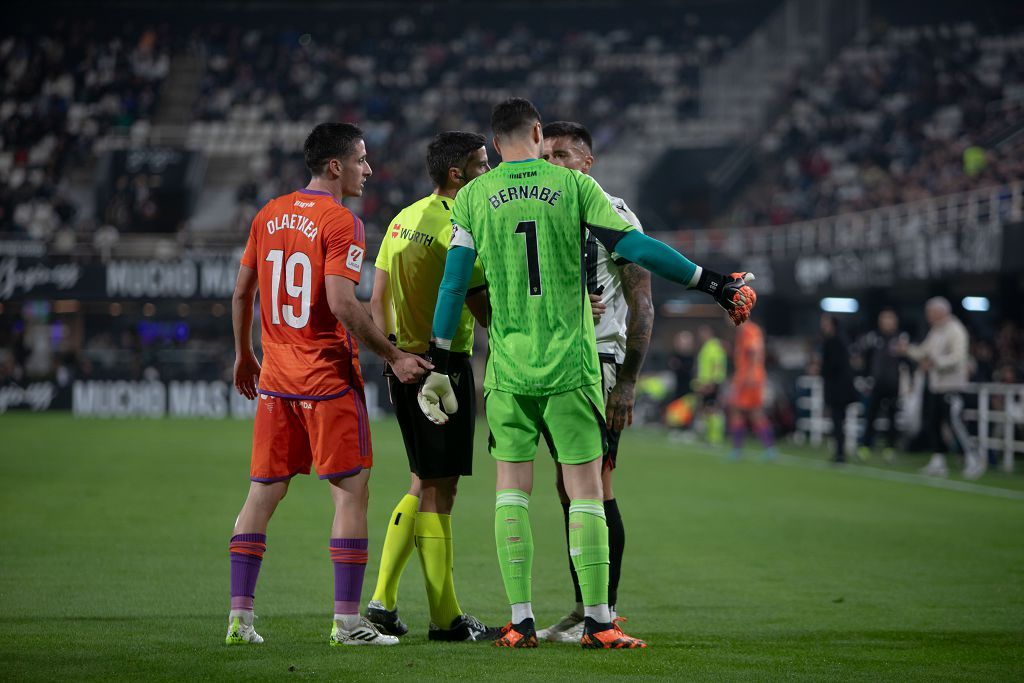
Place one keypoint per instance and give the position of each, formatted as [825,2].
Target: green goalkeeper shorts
[572,422]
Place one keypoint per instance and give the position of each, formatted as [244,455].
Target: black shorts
[609,374]
[437,451]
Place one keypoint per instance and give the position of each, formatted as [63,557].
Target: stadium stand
[265,86]
[62,89]
[901,115]
[243,95]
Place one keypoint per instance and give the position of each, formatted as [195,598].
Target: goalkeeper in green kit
[527,222]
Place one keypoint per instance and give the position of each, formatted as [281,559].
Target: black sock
[572,569]
[616,544]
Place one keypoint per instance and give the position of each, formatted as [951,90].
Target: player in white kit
[623,335]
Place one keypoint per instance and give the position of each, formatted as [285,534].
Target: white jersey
[605,270]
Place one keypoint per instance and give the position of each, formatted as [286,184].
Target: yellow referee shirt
[413,254]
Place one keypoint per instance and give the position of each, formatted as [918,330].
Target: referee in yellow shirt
[410,266]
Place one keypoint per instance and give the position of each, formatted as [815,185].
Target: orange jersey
[749,355]
[295,241]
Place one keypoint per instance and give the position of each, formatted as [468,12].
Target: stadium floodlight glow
[839,304]
[975,303]
[674,308]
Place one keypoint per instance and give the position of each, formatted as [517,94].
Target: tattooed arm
[636,287]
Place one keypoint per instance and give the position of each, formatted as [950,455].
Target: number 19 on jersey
[297,286]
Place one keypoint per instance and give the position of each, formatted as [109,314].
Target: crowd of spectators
[63,85]
[901,115]
[398,77]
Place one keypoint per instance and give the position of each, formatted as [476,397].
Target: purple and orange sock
[739,435]
[246,557]
[766,434]
[349,557]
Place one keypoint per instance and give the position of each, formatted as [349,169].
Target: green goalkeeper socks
[588,547]
[515,543]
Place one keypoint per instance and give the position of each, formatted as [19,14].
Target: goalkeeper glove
[731,292]
[436,391]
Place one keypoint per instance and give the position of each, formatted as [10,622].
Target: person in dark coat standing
[882,351]
[838,378]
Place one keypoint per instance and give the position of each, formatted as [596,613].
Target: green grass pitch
[113,564]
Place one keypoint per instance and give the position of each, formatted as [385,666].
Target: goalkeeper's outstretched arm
[730,291]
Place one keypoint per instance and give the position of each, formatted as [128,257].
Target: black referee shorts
[710,399]
[438,451]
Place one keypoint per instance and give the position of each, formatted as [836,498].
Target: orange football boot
[607,637]
[523,634]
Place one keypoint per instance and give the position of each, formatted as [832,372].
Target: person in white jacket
[944,356]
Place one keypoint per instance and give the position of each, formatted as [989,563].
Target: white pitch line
[892,475]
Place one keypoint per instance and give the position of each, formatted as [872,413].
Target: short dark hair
[512,115]
[329,141]
[448,149]
[569,129]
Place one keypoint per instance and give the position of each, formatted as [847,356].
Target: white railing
[874,228]
[813,425]
[999,413]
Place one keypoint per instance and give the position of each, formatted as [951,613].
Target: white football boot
[568,630]
[936,467]
[240,629]
[365,633]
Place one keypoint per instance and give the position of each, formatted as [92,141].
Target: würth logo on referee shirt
[414,236]
[394,230]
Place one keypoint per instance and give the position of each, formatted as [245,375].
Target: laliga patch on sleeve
[355,258]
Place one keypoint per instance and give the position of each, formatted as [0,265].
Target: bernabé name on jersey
[510,194]
[292,221]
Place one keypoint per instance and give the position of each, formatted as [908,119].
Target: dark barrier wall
[26,278]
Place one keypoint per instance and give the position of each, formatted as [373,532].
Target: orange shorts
[290,435]
[748,398]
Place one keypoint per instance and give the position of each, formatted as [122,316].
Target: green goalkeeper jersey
[527,221]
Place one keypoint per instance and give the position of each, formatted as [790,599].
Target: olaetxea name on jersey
[292,221]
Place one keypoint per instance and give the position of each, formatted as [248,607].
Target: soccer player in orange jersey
[304,256]
[747,399]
